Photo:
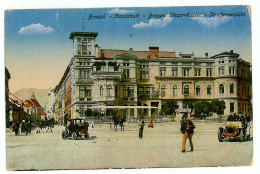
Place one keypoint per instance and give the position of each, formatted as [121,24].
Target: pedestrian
[151,124]
[187,129]
[141,127]
[241,118]
[122,120]
[92,124]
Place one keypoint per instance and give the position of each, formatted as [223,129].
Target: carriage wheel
[74,136]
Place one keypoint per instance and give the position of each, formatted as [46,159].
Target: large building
[103,78]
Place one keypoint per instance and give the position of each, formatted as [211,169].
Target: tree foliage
[168,107]
[218,106]
[202,109]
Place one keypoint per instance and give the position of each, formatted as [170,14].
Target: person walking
[187,129]
[141,127]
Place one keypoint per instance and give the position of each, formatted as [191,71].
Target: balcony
[84,81]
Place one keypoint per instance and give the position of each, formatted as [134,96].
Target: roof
[35,102]
[43,113]
[85,34]
[226,54]
[27,105]
[29,102]
[111,53]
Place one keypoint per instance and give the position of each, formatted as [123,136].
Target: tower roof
[86,34]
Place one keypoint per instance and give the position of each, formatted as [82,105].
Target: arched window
[231,88]
[163,92]
[197,90]
[209,89]
[221,89]
[186,90]
[109,89]
[101,90]
[174,90]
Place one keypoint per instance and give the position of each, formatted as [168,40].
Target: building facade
[98,77]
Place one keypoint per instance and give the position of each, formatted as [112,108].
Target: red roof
[28,102]
[28,105]
[43,113]
[35,102]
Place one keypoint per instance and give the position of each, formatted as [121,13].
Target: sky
[38,48]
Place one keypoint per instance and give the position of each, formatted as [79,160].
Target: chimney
[154,52]
[231,51]
[206,55]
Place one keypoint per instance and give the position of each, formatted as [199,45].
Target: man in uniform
[187,129]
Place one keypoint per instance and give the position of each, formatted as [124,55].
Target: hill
[40,95]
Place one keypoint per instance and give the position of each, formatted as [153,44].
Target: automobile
[235,131]
[77,129]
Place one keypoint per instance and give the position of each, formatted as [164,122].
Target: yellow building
[144,79]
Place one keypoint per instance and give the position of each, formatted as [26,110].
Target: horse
[49,124]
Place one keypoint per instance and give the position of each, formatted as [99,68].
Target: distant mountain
[40,95]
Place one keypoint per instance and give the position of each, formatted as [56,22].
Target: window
[83,48]
[84,92]
[162,71]
[116,89]
[163,92]
[231,88]
[101,90]
[186,72]
[209,72]
[126,73]
[82,73]
[88,73]
[141,90]
[197,90]
[231,70]
[147,90]
[221,89]
[221,70]
[232,107]
[109,90]
[209,89]
[125,64]
[144,75]
[174,71]
[197,71]
[174,90]
[186,90]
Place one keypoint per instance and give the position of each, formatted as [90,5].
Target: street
[107,148]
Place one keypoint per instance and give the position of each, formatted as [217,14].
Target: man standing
[187,129]
[141,127]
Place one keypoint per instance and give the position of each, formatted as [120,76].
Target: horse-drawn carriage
[45,124]
[77,129]
[22,127]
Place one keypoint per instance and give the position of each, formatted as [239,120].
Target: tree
[218,106]
[189,104]
[168,107]
[202,109]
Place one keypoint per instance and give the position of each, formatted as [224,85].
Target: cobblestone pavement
[160,147]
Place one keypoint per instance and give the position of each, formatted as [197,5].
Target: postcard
[147,87]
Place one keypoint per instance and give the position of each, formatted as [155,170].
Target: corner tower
[84,44]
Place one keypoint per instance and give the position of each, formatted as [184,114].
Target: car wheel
[241,136]
[74,136]
[87,136]
[220,134]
